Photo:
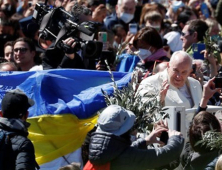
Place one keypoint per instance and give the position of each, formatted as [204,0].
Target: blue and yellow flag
[66,102]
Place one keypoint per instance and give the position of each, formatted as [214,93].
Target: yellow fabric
[54,136]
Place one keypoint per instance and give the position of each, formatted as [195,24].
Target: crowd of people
[175,49]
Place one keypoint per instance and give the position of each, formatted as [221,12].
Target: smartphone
[164,137]
[107,55]
[102,37]
[133,28]
[197,48]
[204,9]
[218,80]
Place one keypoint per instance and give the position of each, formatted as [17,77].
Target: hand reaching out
[208,92]
[163,90]
[152,137]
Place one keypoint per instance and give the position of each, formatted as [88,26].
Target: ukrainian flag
[66,102]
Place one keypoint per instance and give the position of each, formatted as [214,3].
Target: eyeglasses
[22,50]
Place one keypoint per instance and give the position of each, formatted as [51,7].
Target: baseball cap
[116,120]
[15,103]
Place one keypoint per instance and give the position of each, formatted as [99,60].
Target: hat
[116,120]
[15,103]
[174,41]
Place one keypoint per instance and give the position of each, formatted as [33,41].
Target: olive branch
[147,109]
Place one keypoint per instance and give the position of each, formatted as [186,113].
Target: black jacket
[21,154]
[191,160]
[56,58]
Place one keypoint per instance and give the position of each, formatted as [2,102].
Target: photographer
[57,58]
[70,33]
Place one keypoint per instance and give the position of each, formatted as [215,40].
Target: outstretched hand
[163,90]
[152,137]
[208,91]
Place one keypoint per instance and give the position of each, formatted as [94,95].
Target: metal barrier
[180,118]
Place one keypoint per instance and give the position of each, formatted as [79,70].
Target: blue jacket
[112,20]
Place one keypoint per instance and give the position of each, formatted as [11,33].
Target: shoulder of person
[159,77]
[111,16]
[21,141]
[193,81]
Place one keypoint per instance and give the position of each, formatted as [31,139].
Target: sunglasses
[22,50]
[184,34]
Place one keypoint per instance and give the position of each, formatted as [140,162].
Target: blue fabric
[128,63]
[63,90]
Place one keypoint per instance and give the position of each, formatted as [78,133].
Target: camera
[218,80]
[56,25]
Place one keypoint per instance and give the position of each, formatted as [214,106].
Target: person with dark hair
[119,35]
[186,15]
[193,32]
[24,54]
[55,57]
[93,4]
[8,51]
[201,156]
[111,148]
[150,46]
[6,34]
[9,7]
[19,153]
[153,19]
[173,37]
[151,7]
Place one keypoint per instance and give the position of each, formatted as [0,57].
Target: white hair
[121,1]
[183,54]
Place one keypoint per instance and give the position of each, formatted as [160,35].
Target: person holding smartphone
[193,33]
